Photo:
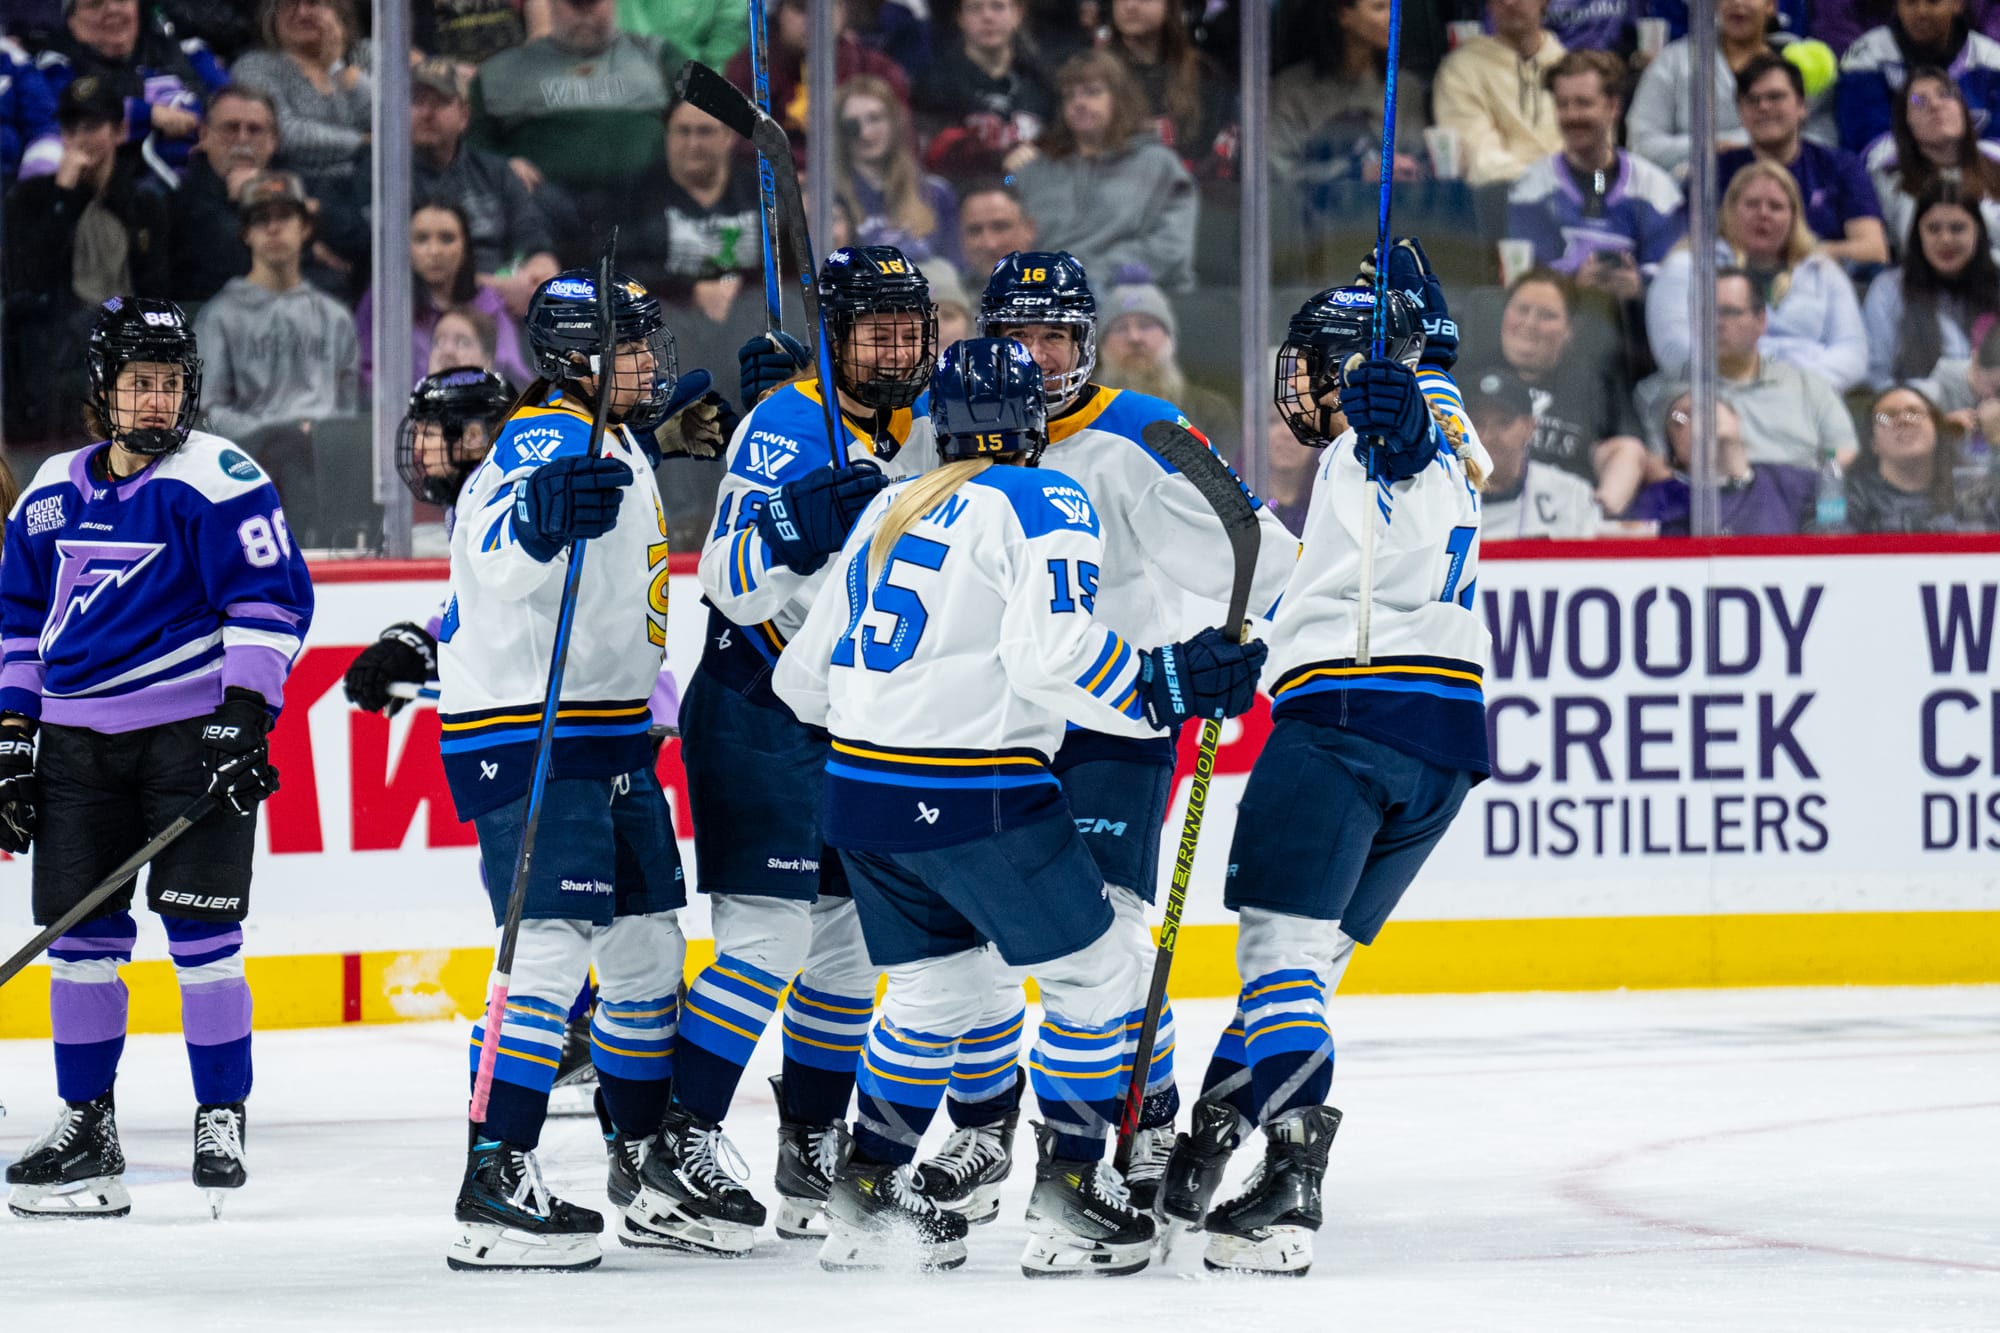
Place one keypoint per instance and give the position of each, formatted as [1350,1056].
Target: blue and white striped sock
[902,1079]
[632,1046]
[727,1010]
[986,1077]
[823,1036]
[1079,1075]
[1285,1035]
[531,1043]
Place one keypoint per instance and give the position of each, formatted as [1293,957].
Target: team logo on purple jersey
[87,570]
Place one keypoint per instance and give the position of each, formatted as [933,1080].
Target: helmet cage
[880,387]
[136,330]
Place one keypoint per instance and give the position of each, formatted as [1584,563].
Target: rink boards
[1764,762]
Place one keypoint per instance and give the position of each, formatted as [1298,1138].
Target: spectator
[1138,351]
[1921,33]
[985,93]
[226,27]
[277,353]
[1932,133]
[1947,287]
[1187,96]
[1902,481]
[1815,319]
[893,200]
[1967,391]
[467,33]
[697,234]
[1658,128]
[707,30]
[1583,414]
[27,108]
[1596,25]
[1102,186]
[1752,500]
[791,26]
[577,116]
[1594,211]
[1326,110]
[1840,201]
[462,336]
[1490,90]
[891,29]
[162,81]
[955,306]
[1522,498]
[992,224]
[323,101]
[509,234]
[74,239]
[443,278]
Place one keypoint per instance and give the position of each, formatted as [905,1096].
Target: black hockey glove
[808,520]
[765,362]
[233,752]
[406,654]
[1210,675]
[19,790]
[698,421]
[1384,404]
[567,500]
[1410,272]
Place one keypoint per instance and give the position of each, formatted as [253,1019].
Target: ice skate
[625,1156]
[219,1163]
[1150,1150]
[575,1089]
[966,1175]
[809,1157]
[1195,1166]
[877,1218]
[1268,1228]
[691,1194]
[74,1169]
[1081,1220]
[508,1220]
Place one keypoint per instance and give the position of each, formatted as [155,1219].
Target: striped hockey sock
[902,1079]
[823,1036]
[1228,1076]
[728,1008]
[1163,1098]
[632,1046]
[986,1078]
[215,1006]
[1286,1037]
[87,1003]
[1079,1075]
[531,1043]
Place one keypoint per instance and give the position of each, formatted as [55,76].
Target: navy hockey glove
[1410,272]
[234,754]
[19,790]
[405,654]
[765,362]
[1386,408]
[698,421]
[807,520]
[568,500]
[1210,675]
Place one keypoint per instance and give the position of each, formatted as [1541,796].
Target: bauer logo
[576,289]
[1071,503]
[238,465]
[44,514]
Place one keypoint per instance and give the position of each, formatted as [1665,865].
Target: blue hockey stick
[767,189]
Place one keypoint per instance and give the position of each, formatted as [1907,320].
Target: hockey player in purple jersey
[151,605]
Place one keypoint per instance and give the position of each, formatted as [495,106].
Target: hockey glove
[1410,272]
[405,654]
[1210,675]
[568,500]
[807,520]
[1392,422]
[698,421]
[234,754]
[765,362]
[19,790]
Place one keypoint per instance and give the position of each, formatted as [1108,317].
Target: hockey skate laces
[826,1152]
[530,1194]
[712,1157]
[1150,1150]
[1111,1186]
[68,1121]
[965,1154]
[218,1134]
[903,1190]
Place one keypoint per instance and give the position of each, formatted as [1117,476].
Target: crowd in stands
[219,154]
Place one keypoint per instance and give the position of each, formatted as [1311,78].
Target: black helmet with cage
[1329,328]
[138,330]
[452,419]
[884,364]
[563,336]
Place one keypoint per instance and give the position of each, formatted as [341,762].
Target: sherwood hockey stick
[197,810]
[767,194]
[1225,494]
[517,897]
[1364,613]
[722,99]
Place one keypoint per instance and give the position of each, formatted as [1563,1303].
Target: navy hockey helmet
[1044,287]
[986,401]
[562,333]
[1330,327]
[132,329]
[884,364]
[434,456]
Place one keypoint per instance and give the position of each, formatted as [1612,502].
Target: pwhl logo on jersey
[1071,503]
[769,454]
[86,572]
[539,443]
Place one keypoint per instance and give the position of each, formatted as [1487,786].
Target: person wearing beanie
[1139,334]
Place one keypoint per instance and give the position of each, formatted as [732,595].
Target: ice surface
[1785,1159]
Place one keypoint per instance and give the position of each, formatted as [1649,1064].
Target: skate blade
[1277,1252]
[979,1207]
[483,1247]
[1069,1255]
[850,1250]
[99,1196]
[801,1219]
[655,1222]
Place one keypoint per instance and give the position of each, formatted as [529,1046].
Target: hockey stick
[517,897]
[1364,612]
[1225,494]
[710,92]
[767,195]
[197,810]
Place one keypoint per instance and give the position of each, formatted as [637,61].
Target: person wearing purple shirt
[1841,207]
[1593,25]
[1768,499]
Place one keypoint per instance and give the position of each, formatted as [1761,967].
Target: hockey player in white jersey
[957,641]
[606,882]
[779,903]
[1161,541]
[1377,656]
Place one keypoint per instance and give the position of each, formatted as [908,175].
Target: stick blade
[703,87]
[1194,459]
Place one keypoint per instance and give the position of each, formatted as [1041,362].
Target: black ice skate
[691,1194]
[575,1089]
[508,1220]
[73,1170]
[219,1164]
[626,1155]
[1081,1220]
[1268,1228]
[966,1175]
[809,1157]
[876,1218]
[1195,1167]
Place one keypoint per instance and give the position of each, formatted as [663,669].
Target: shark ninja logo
[87,571]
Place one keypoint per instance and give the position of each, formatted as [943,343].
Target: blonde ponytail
[1474,472]
[1454,428]
[916,499]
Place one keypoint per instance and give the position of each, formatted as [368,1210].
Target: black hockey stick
[197,810]
[708,91]
[1200,464]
